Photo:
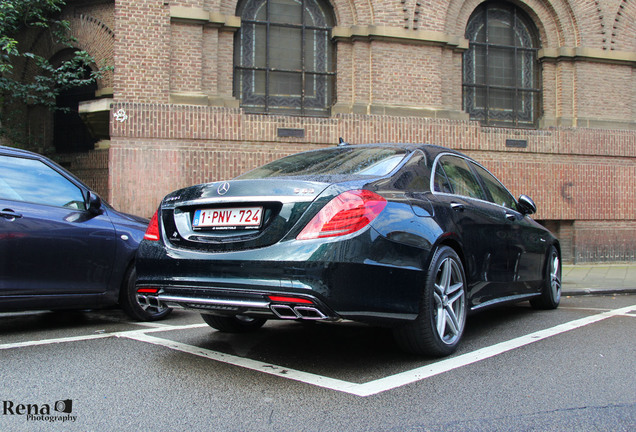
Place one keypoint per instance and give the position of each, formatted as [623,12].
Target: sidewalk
[598,278]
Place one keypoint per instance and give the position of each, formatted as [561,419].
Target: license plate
[228,218]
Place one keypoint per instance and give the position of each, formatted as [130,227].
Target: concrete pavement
[598,279]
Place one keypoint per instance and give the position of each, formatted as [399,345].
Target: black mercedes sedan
[410,236]
[61,246]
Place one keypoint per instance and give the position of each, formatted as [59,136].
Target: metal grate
[284,57]
[501,70]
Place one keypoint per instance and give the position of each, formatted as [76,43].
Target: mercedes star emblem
[223,188]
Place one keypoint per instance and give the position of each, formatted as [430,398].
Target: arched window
[284,57]
[501,71]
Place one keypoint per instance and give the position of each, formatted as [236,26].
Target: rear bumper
[249,304]
[364,278]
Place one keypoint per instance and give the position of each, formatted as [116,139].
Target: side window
[498,192]
[461,180]
[32,181]
[416,176]
[441,181]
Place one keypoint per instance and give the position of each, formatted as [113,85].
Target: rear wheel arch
[453,244]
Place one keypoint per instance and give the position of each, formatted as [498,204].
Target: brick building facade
[177,101]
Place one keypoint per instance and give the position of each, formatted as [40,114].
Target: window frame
[321,72]
[18,197]
[526,92]
[486,194]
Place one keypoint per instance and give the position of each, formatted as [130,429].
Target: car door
[527,244]
[481,226]
[49,242]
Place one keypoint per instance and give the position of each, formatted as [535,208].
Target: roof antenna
[342,142]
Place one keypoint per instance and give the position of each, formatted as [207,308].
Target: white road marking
[393,381]
[365,389]
[271,369]
[95,336]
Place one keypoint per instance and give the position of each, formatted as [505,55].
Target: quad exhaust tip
[290,312]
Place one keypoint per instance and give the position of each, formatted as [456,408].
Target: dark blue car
[61,246]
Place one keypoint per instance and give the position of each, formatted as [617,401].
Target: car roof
[12,151]
[18,152]
[431,150]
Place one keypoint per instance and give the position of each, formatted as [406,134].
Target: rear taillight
[347,213]
[152,232]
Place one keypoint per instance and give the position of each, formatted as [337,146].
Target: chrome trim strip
[514,298]
[239,199]
[218,302]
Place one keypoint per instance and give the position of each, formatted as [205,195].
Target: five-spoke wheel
[551,293]
[440,323]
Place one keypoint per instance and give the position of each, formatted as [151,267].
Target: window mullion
[487,70]
[515,100]
[302,58]
[267,65]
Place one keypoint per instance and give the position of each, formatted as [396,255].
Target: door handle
[511,217]
[9,215]
[457,206]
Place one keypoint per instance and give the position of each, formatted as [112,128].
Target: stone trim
[200,99]
[398,34]
[588,54]
[400,111]
[193,15]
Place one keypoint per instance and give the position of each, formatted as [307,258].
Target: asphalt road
[517,369]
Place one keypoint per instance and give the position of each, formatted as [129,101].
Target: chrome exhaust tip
[309,313]
[290,312]
[284,311]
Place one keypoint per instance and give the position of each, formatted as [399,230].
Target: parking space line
[95,336]
[442,366]
[393,381]
[271,369]
[365,389]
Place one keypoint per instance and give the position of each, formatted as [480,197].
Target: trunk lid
[235,215]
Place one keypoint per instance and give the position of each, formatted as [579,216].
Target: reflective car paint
[373,275]
[56,257]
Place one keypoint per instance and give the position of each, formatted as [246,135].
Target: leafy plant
[47,81]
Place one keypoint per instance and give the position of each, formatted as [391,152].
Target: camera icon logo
[64,406]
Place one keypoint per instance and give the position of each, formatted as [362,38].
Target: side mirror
[526,205]
[94,203]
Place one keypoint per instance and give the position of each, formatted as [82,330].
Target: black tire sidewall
[428,303]
[129,303]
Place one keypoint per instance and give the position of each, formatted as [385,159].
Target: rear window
[365,161]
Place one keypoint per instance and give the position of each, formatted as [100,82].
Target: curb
[597,291]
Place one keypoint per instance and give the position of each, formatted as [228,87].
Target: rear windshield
[362,161]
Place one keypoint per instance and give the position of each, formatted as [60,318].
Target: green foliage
[17,18]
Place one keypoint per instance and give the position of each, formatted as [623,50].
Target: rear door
[49,242]
[481,225]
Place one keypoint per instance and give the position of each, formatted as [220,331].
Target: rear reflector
[347,213]
[285,299]
[148,290]
[152,232]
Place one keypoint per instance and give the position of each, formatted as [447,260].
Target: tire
[233,324]
[551,291]
[139,307]
[439,326]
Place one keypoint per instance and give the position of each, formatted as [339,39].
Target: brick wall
[403,56]
[90,167]
[584,176]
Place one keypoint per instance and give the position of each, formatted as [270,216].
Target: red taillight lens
[347,213]
[152,232]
